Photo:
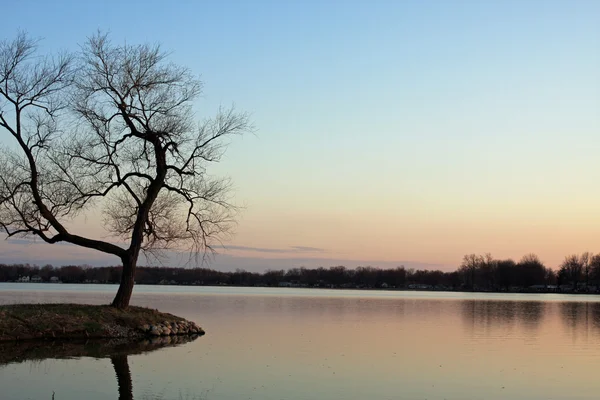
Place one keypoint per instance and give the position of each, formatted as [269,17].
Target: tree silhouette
[113,127]
[571,270]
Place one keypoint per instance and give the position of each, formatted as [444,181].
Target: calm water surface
[325,344]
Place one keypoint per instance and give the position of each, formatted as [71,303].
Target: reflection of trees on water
[581,318]
[485,315]
[580,314]
[117,351]
[573,313]
[531,313]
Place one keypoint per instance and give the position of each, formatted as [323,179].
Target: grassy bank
[78,321]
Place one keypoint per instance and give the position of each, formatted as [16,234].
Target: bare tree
[571,270]
[130,145]
[488,271]
[531,270]
[585,259]
[595,270]
[468,268]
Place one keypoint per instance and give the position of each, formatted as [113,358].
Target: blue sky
[390,131]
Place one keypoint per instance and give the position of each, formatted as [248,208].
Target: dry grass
[31,321]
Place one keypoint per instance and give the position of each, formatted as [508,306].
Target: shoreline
[56,321]
[548,290]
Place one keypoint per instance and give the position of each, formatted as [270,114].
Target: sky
[387,132]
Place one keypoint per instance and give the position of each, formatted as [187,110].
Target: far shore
[541,289]
[476,274]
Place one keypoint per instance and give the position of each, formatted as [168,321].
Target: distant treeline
[477,272]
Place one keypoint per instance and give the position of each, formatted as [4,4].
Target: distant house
[537,287]
[36,279]
[54,279]
[23,279]
[420,286]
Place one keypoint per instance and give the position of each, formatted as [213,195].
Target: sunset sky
[387,132]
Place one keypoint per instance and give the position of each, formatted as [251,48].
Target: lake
[286,343]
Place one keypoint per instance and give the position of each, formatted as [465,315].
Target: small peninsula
[80,321]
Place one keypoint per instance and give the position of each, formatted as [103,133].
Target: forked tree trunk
[123,296]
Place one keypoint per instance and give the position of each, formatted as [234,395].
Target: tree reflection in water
[121,366]
[579,318]
[481,315]
[117,350]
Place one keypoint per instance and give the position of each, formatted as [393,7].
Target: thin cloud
[291,249]
[308,249]
[28,242]
[288,258]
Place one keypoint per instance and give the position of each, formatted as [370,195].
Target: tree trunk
[123,296]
